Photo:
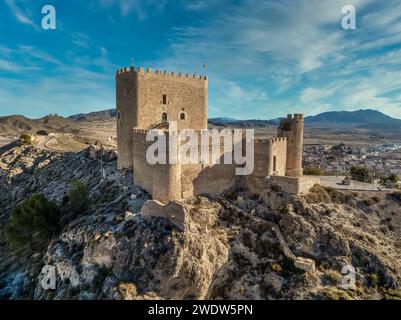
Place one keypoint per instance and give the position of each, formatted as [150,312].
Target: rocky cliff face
[232,247]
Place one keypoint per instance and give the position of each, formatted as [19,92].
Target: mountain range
[369,119]
[16,124]
[362,119]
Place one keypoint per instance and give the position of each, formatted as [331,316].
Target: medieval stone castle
[148,100]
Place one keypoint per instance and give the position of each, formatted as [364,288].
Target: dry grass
[334,277]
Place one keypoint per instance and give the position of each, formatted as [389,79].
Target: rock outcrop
[129,247]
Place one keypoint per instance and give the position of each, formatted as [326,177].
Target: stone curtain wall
[143,171]
[278,151]
[167,182]
[268,152]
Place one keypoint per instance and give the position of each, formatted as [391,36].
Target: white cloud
[277,46]
[80,39]
[10,66]
[19,15]
[72,87]
[139,7]
[309,95]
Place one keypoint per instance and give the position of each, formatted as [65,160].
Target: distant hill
[17,124]
[254,123]
[367,119]
[109,113]
[363,119]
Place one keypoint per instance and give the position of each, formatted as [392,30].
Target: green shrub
[79,197]
[32,223]
[313,171]
[25,138]
[391,180]
[361,174]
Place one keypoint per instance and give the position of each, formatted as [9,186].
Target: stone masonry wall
[185,94]
[126,113]
[143,171]
[294,185]
[167,182]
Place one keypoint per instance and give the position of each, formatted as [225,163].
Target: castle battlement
[158,72]
[279,139]
[140,131]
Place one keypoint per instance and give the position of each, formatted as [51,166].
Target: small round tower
[293,129]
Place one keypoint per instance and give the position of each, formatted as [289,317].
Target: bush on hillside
[32,223]
[313,171]
[361,174]
[25,138]
[79,197]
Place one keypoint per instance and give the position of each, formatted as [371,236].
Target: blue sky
[264,58]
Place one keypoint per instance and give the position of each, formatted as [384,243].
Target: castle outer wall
[168,182]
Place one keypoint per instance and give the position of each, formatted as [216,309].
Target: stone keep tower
[293,129]
[148,100]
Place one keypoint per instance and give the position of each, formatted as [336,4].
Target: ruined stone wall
[294,185]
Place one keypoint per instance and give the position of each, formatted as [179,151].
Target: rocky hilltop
[232,247]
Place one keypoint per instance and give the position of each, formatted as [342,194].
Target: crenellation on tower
[161,73]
